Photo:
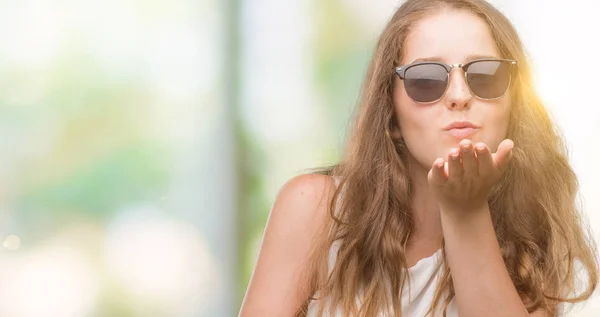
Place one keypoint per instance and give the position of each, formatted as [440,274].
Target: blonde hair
[534,206]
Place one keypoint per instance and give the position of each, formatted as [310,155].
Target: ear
[395,133]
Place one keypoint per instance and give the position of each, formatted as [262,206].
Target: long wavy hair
[534,207]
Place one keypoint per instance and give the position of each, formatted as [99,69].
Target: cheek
[496,126]
[414,120]
[418,128]
[503,116]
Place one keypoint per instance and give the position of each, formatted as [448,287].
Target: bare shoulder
[300,209]
[298,212]
[304,197]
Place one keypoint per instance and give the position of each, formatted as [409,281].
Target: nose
[458,95]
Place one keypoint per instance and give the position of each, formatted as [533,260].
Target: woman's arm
[481,281]
[276,287]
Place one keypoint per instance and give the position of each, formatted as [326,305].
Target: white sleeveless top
[424,278]
[416,300]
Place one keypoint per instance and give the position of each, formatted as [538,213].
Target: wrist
[464,214]
[467,229]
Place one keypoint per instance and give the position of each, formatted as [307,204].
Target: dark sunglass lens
[489,79]
[425,82]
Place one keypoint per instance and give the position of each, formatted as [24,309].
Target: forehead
[450,36]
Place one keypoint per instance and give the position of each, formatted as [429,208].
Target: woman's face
[450,37]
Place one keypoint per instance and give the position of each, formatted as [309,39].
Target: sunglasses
[427,82]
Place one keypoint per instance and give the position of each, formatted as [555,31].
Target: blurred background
[143,141]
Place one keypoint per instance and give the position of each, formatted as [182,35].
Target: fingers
[504,154]
[484,156]
[436,175]
[469,161]
[455,169]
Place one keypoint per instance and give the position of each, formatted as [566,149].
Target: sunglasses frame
[401,70]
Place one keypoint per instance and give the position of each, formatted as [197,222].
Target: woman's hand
[463,182]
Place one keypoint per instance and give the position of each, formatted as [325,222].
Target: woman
[454,197]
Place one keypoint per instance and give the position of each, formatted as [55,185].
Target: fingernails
[480,148]
[512,145]
[439,162]
[454,154]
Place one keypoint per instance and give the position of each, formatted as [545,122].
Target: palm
[466,178]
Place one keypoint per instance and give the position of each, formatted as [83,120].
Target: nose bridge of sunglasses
[458,78]
[457,68]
